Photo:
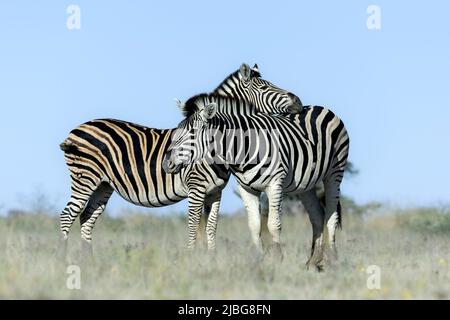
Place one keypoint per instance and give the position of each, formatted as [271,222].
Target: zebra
[246,84]
[108,155]
[274,154]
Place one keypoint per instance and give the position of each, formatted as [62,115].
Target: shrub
[426,220]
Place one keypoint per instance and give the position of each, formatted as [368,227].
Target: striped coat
[275,154]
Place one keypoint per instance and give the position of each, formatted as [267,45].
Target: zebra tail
[339,215]
[68,147]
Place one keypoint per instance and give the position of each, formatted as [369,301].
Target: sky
[130,59]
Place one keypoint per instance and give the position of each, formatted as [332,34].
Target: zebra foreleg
[211,226]
[316,216]
[195,203]
[275,196]
[201,232]
[94,209]
[251,203]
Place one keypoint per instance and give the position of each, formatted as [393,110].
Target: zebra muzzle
[170,167]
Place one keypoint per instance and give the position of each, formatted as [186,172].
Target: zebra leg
[251,203]
[213,204]
[275,196]
[316,216]
[195,202]
[74,207]
[201,232]
[94,209]
[84,184]
[332,211]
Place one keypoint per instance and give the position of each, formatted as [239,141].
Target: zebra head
[189,140]
[246,84]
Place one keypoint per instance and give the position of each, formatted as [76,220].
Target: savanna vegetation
[141,256]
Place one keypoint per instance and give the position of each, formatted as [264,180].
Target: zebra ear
[255,71]
[209,111]
[181,105]
[245,71]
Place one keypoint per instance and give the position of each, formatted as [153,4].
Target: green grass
[143,257]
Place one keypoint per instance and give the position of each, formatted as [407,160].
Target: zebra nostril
[167,165]
[295,99]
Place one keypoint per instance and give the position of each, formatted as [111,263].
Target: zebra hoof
[315,265]
[257,258]
[276,252]
[87,254]
[61,250]
[212,257]
[332,255]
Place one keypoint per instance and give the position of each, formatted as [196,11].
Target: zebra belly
[300,186]
[296,185]
[152,202]
[300,181]
[153,195]
[296,178]
[171,192]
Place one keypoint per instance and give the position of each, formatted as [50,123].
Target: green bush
[427,220]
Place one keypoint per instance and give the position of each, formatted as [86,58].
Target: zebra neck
[237,145]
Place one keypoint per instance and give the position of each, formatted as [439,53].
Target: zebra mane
[197,103]
[253,74]
[192,104]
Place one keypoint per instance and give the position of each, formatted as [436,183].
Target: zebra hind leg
[316,217]
[74,207]
[84,183]
[333,218]
[94,209]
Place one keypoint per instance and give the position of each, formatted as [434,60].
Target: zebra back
[313,144]
[129,157]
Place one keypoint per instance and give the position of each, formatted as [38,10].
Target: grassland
[143,257]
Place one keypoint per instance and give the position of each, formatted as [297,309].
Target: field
[143,257]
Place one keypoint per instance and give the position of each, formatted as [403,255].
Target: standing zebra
[109,155]
[275,154]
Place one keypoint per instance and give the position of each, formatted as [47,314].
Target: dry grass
[142,257]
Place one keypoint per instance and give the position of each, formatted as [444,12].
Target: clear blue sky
[131,58]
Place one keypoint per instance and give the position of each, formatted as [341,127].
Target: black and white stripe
[246,84]
[109,155]
[275,154]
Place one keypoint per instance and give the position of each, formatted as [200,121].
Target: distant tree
[17,213]
[38,202]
